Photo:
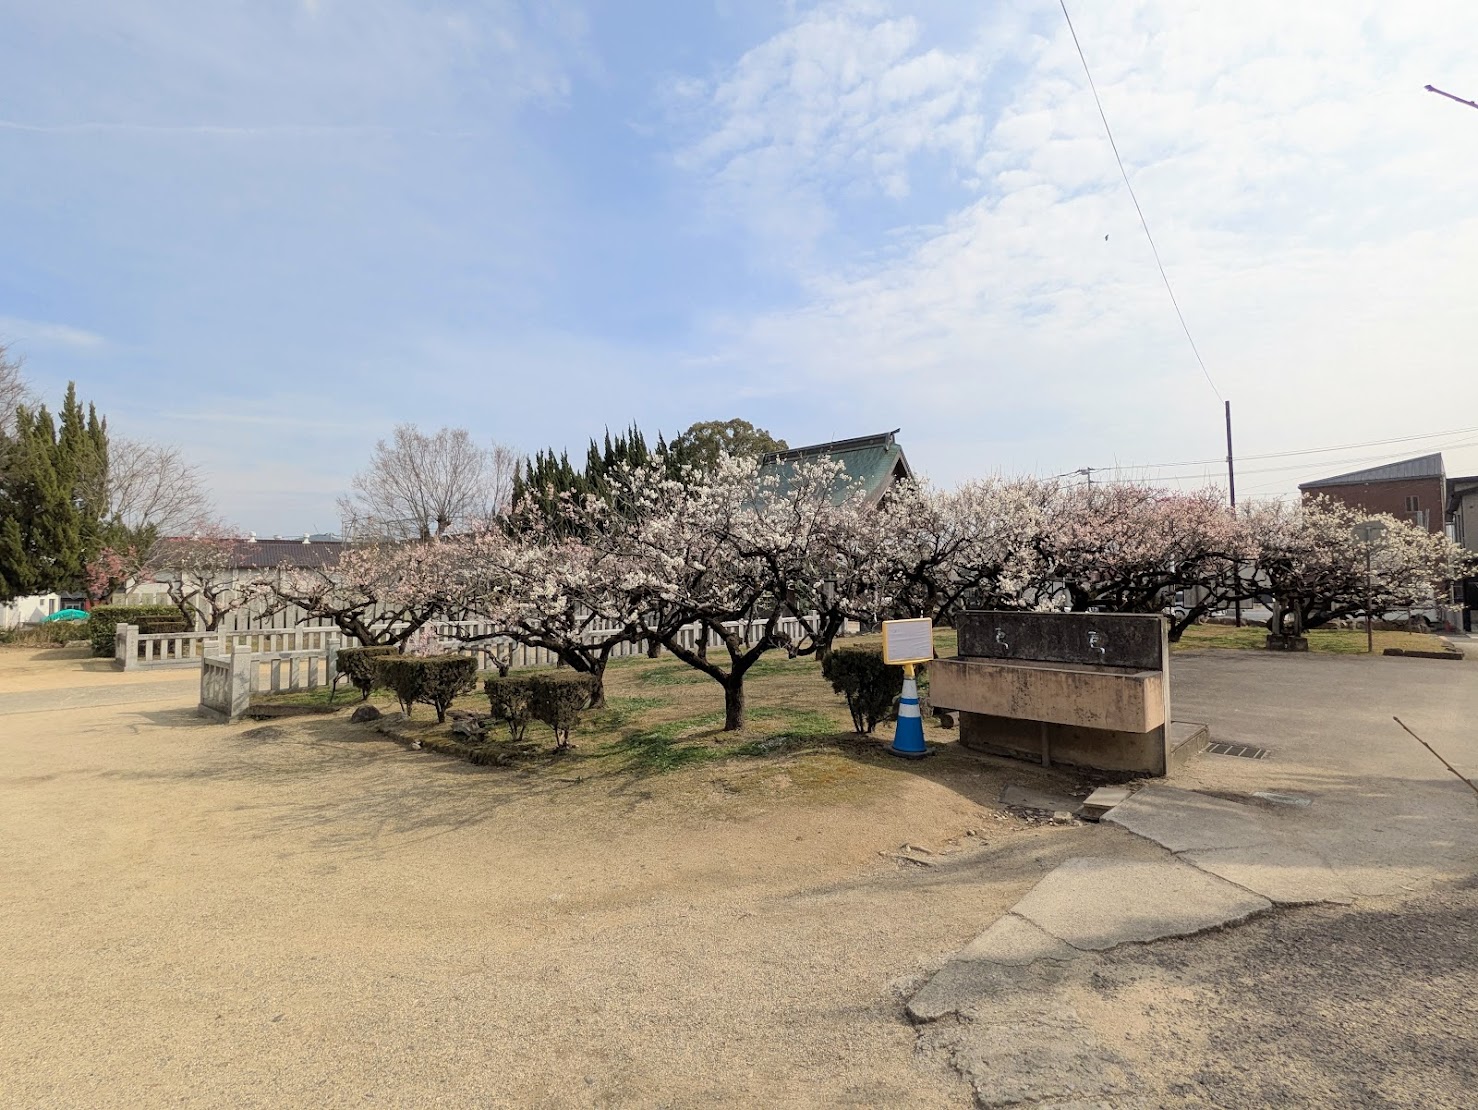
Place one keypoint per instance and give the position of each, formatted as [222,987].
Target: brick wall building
[1414,490]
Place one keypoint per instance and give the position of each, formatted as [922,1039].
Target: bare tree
[197,574]
[151,485]
[13,389]
[418,486]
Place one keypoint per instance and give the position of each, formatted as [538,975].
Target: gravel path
[306,914]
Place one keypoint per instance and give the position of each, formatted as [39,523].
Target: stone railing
[133,650]
[260,641]
[228,680]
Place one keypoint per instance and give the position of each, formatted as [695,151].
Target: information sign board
[908,641]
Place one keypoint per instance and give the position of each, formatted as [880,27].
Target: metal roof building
[1424,466]
[874,462]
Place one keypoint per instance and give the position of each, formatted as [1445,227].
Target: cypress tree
[53,498]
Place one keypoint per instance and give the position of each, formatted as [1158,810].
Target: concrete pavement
[1346,806]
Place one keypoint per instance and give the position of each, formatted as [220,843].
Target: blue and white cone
[908,740]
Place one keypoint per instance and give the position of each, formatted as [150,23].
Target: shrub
[512,699]
[49,634]
[434,680]
[103,622]
[358,666]
[558,698]
[869,685]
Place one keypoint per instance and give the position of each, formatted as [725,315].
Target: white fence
[229,680]
[481,639]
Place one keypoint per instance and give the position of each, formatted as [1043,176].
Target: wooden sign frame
[908,641]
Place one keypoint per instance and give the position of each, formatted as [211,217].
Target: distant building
[1462,510]
[310,552]
[246,561]
[1462,515]
[874,462]
[35,608]
[1414,490]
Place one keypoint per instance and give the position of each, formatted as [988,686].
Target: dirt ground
[305,913]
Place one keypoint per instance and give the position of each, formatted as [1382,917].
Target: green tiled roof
[874,462]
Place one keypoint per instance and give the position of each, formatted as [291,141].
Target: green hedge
[434,680]
[869,685]
[103,622]
[558,698]
[358,666]
[511,698]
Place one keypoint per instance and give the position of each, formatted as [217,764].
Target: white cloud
[1312,205]
[42,333]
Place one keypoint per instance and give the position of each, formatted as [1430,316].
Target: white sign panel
[910,641]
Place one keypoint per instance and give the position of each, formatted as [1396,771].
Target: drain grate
[1240,751]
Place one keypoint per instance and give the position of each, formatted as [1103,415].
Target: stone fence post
[126,646]
[243,670]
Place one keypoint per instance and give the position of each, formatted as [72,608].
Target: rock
[364,714]
[467,729]
[1062,817]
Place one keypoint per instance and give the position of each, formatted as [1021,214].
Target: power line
[1305,450]
[1299,466]
[1142,221]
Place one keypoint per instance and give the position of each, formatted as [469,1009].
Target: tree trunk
[598,694]
[734,702]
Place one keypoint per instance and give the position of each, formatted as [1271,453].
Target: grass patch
[348,697]
[672,674]
[1331,641]
[669,745]
[662,716]
[620,712]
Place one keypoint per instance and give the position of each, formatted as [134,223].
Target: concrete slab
[1095,904]
[1015,940]
[1104,799]
[1283,873]
[1025,798]
[1185,821]
[962,986]
[1040,1057]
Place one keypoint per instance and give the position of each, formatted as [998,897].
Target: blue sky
[268,231]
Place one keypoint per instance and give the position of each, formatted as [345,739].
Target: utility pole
[1450,96]
[1232,492]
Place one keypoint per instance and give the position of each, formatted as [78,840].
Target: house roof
[1424,466]
[873,462]
[266,554]
[1458,488]
[255,554]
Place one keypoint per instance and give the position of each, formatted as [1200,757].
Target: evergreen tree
[53,497]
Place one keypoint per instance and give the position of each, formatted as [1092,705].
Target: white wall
[29,610]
